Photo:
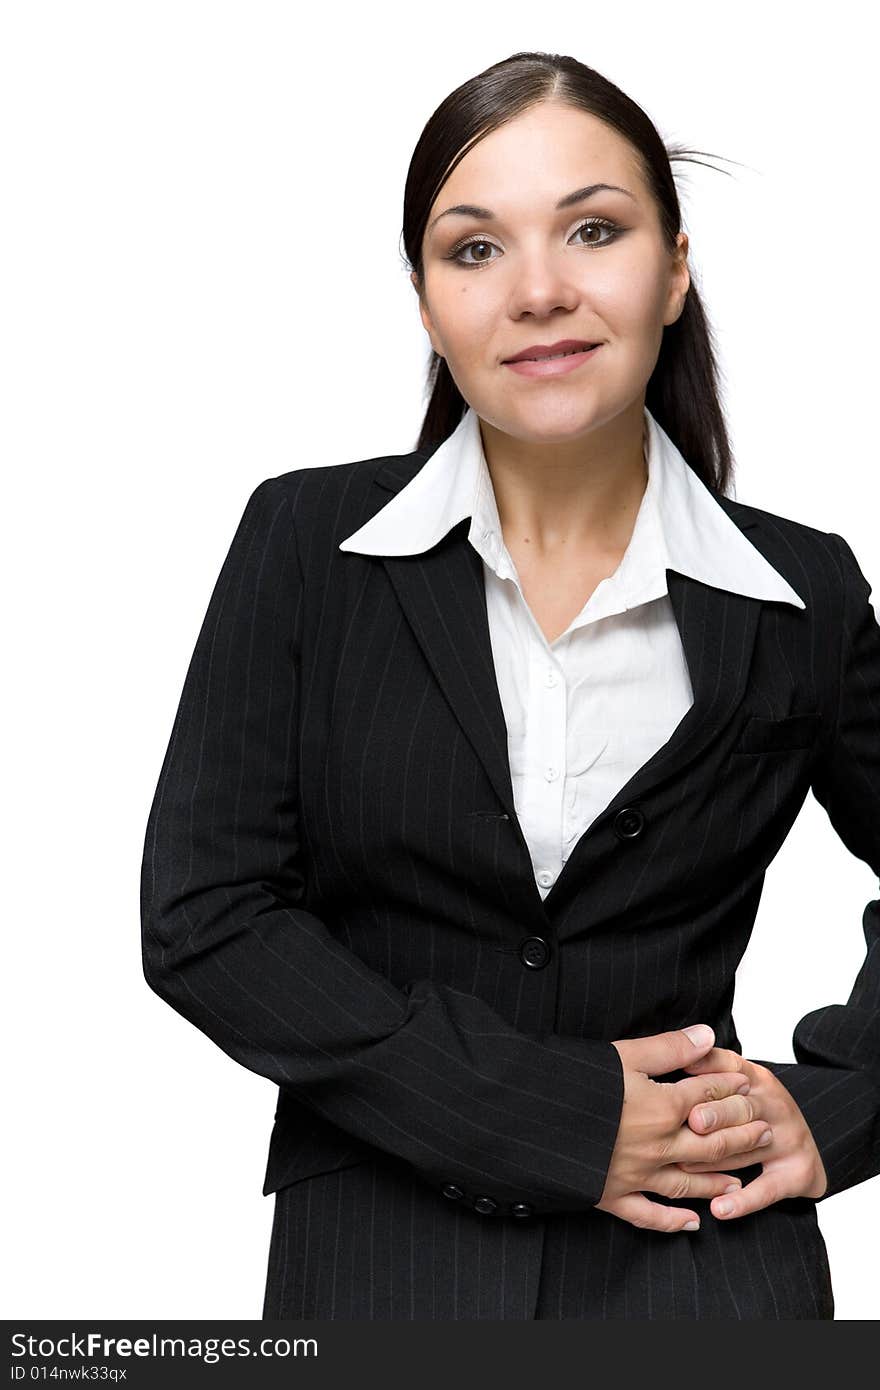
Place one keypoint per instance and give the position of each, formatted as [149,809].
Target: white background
[204,286]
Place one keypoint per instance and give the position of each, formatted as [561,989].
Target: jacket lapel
[442,594]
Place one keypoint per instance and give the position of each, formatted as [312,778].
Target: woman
[479,763]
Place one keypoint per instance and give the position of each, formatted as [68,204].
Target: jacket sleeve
[427,1073]
[836,1078]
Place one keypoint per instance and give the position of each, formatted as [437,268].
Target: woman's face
[597,270]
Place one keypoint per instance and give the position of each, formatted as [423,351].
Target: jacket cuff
[842,1108]
[601,1107]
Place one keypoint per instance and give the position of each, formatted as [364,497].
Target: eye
[590,224]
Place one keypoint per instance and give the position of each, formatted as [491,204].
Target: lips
[539,352]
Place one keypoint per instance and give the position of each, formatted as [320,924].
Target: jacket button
[452,1191]
[485,1205]
[628,823]
[534,952]
[520,1209]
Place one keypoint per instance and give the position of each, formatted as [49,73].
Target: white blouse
[585,711]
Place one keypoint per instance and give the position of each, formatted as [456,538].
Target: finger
[691,1090]
[639,1211]
[717,1059]
[740,1160]
[714,1148]
[761,1192]
[672,1180]
[664,1052]
[722,1114]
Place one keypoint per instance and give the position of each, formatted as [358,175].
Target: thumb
[664,1052]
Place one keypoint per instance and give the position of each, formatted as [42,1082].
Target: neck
[583,492]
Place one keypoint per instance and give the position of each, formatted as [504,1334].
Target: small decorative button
[551,773]
[545,878]
[534,952]
[629,823]
[452,1191]
[485,1205]
[520,1209]
[552,677]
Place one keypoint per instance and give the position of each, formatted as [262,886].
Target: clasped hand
[674,1137]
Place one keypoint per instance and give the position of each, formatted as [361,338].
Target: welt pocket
[298,1170]
[761,734]
[300,1150]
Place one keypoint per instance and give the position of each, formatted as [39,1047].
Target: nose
[542,284]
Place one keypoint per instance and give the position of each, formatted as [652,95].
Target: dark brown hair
[682,393]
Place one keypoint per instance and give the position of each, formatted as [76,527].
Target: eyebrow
[578,196]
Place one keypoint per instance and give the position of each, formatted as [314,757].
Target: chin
[553,422]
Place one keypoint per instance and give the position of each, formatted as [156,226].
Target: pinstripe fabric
[372,1242]
[336,889]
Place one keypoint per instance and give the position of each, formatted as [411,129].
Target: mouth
[549,354]
[561,363]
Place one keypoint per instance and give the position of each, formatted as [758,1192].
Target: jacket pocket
[301,1148]
[763,735]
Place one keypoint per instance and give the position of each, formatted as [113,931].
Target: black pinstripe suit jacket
[337,891]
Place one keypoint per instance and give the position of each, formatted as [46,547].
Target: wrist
[818,1185]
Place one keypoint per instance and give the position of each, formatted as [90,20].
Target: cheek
[629,296]
[467,324]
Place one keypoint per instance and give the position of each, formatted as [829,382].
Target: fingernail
[744,1090]
[691,1226]
[724,1208]
[708,1117]
[700,1034]
[734,1187]
[765,1138]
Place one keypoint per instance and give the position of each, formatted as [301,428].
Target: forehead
[536,157]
